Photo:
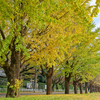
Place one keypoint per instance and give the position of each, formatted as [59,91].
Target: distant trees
[56,79]
[83,64]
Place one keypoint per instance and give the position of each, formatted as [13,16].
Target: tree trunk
[49,80]
[12,73]
[48,75]
[49,85]
[91,90]
[56,86]
[75,87]
[10,91]
[53,87]
[80,86]
[67,80]
[86,84]
[66,87]
[62,87]
[35,80]
[96,88]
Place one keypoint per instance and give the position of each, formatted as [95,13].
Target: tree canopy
[42,32]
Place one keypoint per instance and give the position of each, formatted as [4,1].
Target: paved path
[41,93]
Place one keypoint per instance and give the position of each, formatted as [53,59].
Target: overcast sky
[96,19]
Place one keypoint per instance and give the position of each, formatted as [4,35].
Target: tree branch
[52,70]
[2,33]
[60,16]
[24,62]
[25,69]
[43,70]
[24,28]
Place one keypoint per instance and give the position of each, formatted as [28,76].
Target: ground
[92,96]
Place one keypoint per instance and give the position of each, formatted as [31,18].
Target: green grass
[92,96]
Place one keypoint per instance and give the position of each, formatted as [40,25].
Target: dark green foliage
[42,78]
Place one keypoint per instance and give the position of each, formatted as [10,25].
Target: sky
[96,20]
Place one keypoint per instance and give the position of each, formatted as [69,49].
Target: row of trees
[53,35]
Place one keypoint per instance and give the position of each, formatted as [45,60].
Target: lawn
[92,96]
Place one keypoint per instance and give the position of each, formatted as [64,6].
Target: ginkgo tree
[94,12]
[42,28]
[19,18]
[87,67]
[49,45]
[83,62]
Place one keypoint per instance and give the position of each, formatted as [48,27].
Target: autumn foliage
[46,34]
